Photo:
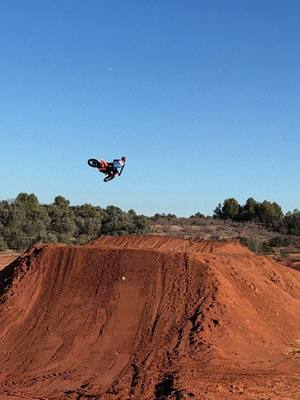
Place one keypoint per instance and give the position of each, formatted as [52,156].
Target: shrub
[3,244]
[229,210]
[291,222]
[259,247]
[279,241]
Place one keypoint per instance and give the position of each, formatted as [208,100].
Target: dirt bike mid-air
[110,169]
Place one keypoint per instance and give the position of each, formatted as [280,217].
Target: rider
[113,168]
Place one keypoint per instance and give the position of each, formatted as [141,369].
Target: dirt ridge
[148,318]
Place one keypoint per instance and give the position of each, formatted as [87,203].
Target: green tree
[114,221]
[218,211]
[138,224]
[33,217]
[117,222]
[270,213]
[88,222]
[249,211]
[292,222]
[62,219]
[229,210]
[3,244]
[25,220]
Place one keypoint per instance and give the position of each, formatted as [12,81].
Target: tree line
[266,212]
[25,221]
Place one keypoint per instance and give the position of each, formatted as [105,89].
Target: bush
[258,247]
[25,221]
[266,212]
[3,244]
[279,241]
[164,219]
[269,213]
[248,212]
[291,222]
[229,210]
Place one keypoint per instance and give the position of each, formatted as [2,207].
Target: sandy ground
[6,258]
[149,318]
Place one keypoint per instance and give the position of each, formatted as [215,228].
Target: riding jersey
[118,163]
[113,166]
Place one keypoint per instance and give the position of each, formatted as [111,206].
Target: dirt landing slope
[148,318]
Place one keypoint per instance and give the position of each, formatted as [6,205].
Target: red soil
[149,318]
[6,258]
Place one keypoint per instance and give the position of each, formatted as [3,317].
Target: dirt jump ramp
[148,318]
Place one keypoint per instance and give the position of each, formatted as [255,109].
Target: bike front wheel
[94,163]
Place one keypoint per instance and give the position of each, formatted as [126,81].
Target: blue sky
[203,97]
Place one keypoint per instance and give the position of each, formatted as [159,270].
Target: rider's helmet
[123,158]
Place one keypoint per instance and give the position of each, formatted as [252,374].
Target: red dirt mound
[148,318]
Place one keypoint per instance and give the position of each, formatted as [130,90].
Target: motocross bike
[109,171]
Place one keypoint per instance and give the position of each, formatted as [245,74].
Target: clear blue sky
[202,96]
